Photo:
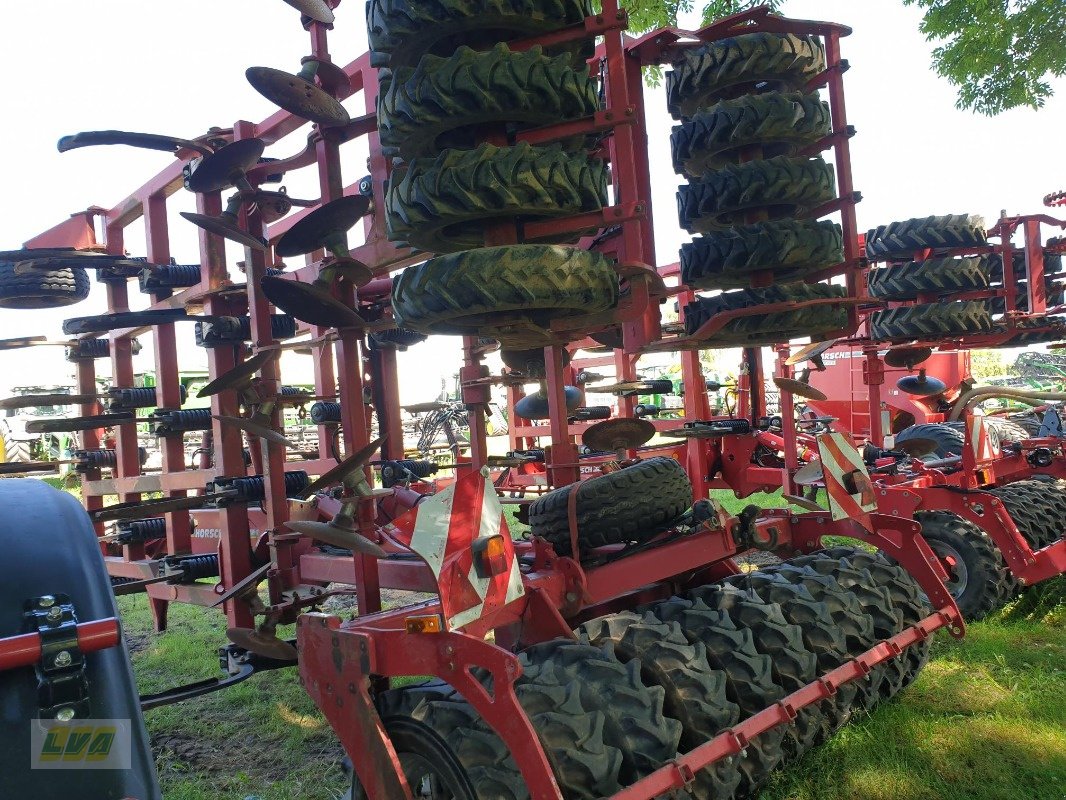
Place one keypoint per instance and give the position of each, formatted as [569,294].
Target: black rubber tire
[904,239]
[33,288]
[443,205]
[401,31]
[770,328]
[433,719]
[821,635]
[979,579]
[1054,295]
[634,722]
[793,665]
[879,602]
[792,249]
[16,451]
[631,505]
[851,619]
[749,680]
[782,187]
[1035,507]
[449,102]
[738,64]
[949,440]
[1052,265]
[931,320]
[398,338]
[777,122]
[934,275]
[529,362]
[695,692]
[481,291]
[1000,431]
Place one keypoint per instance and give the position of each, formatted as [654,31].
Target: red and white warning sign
[462,535]
[848,484]
[980,435]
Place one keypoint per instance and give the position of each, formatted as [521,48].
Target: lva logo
[80,744]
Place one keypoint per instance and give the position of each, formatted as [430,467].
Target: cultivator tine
[71,424]
[23,467]
[257,429]
[152,508]
[147,141]
[346,537]
[246,585]
[802,502]
[240,375]
[351,466]
[812,352]
[58,399]
[126,319]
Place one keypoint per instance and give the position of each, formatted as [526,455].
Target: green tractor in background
[21,446]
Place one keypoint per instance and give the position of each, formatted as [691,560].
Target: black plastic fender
[49,547]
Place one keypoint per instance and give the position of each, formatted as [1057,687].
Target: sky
[177,68]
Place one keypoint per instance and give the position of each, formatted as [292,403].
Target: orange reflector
[490,557]
[427,623]
[984,477]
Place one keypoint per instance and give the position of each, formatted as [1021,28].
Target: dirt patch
[248,755]
[137,642]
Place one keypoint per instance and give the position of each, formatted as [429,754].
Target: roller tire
[695,692]
[984,587]
[927,320]
[793,665]
[17,451]
[949,440]
[1036,509]
[904,239]
[791,249]
[782,187]
[444,205]
[33,288]
[447,102]
[401,31]
[736,65]
[749,676]
[570,732]
[821,634]
[1052,265]
[481,292]
[770,328]
[634,722]
[934,275]
[630,505]
[779,123]
[852,619]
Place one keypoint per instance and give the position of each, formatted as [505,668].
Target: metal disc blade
[809,474]
[535,405]
[908,357]
[338,537]
[262,644]
[309,302]
[917,447]
[254,428]
[612,338]
[799,388]
[802,502]
[323,224]
[225,226]
[297,96]
[355,272]
[150,508]
[318,10]
[30,400]
[337,475]
[809,352]
[618,434]
[219,170]
[239,375]
[921,385]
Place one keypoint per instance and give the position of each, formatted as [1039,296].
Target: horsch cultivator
[617,650]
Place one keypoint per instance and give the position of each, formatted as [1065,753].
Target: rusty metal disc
[272,205]
[70,424]
[59,399]
[337,536]
[297,96]
[339,473]
[224,167]
[810,352]
[262,643]
[318,10]
[809,474]
[908,357]
[254,428]
[150,508]
[309,302]
[802,502]
[921,385]
[917,447]
[799,388]
[239,375]
[618,434]
[225,225]
[323,226]
[355,272]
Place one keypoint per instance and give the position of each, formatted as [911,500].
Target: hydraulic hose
[983,392]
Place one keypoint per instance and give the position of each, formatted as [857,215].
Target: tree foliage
[1001,54]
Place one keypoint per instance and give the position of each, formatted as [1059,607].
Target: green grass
[984,721]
